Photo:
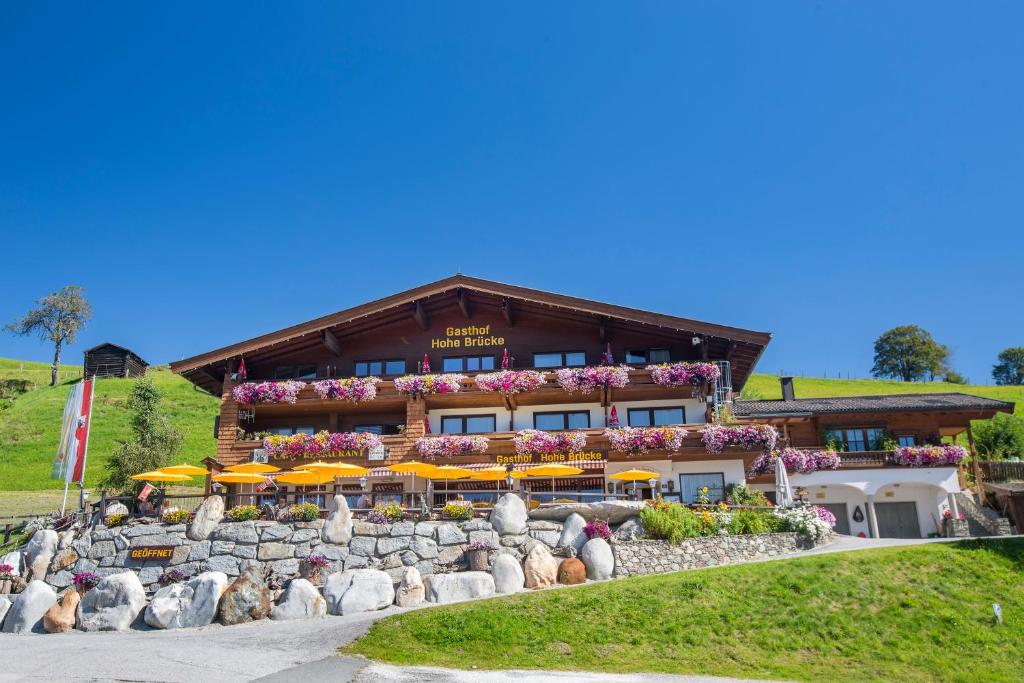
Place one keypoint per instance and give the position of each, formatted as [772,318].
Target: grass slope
[920,613]
[30,428]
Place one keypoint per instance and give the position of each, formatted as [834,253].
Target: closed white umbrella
[783,490]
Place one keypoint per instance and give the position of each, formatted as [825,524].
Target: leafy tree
[909,353]
[954,377]
[155,440]
[58,319]
[1010,368]
[1001,437]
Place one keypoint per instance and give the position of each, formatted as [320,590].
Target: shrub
[244,513]
[673,523]
[459,510]
[384,513]
[304,512]
[177,517]
[741,494]
[116,520]
[807,521]
[755,522]
[85,580]
[1001,437]
[317,561]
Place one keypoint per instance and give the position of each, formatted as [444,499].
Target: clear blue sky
[820,170]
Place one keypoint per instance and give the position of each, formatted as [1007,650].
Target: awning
[582,464]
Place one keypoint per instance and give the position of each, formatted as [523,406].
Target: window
[289,431]
[387,429]
[365,368]
[467,363]
[553,422]
[906,440]
[856,438]
[467,424]
[656,417]
[689,484]
[641,356]
[560,359]
[295,371]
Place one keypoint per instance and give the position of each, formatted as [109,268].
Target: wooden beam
[602,330]
[331,342]
[730,350]
[421,315]
[506,311]
[463,301]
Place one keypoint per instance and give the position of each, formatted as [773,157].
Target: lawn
[919,613]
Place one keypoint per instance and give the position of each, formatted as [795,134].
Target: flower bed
[930,456]
[717,437]
[319,444]
[586,380]
[460,510]
[796,461]
[674,522]
[639,440]
[252,393]
[450,444]
[353,389]
[384,513]
[684,374]
[511,381]
[536,442]
[420,385]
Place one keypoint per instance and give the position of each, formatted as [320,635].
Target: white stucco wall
[732,470]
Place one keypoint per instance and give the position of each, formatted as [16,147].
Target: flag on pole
[426,364]
[504,360]
[426,425]
[146,491]
[613,419]
[69,461]
[242,373]
[82,434]
[265,484]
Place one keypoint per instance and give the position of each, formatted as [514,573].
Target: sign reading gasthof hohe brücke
[472,337]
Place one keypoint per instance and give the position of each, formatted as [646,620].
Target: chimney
[787,388]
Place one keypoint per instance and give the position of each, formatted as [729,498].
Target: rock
[150,575]
[356,562]
[411,591]
[331,552]
[156,539]
[304,535]
[403,528]
[274,532]
[245,552]
[540,568]
[5,605]
[477,525]
[598,558]
[427,529]
[362,545]
[246,599]
[63,559]
[369,529]
[222,547]
[572,571]
[386,546]
[425,568]
[187,605]
[113,605]
[443,588]
[572,533]
[206,518]
[548,538]
[236,532]
[612,511]
[61,579]
[83,545]
[358,590]
[223,563]
[509,515]
[102,549]
[165,608]
[491,538]
[301,600]
[508,574]
[630,530]
[424,547]
[537,525]
[452,554]
[275,551]
[285,567]
[40,552]
[14,559]
[29,606]
[449,534]
[142,530]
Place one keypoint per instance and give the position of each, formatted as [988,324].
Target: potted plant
[478,552]
[304,512]
[85,581]
[458,510]
[312,565]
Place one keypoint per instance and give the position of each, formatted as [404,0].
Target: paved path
[279,651]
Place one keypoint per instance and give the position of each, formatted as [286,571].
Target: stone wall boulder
[338,528]
[246,599]
[630,530]
[206,518]
[113,605]
[572,533]
[40,552]
[411,591]
[571,572]
[508,574]
[540,568]
[61,617]
[358,590]
[5,606]
[442,588]
[509,515]
[598,558]
[14,559]
[301,600]
[611,511]
[29,607]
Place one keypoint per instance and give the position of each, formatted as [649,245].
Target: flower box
[795,461]
[586,380]
[537,442]
[930,456]
[421,385]
[511,381]
[448,445]
[639,440]
[321,444]
[251,393]
[353,389]
[684,374]
[717,437]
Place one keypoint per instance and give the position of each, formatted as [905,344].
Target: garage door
[842,518]
[897,520]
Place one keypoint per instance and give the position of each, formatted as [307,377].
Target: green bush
[177,517]
[306,512]
[244,513]
[741,494]
[755,522]
[671,523]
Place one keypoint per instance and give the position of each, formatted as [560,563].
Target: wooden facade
[111,360]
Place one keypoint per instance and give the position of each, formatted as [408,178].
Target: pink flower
[639,440]
[448,445]
[319,445]
[535,442]
[511,381]
[421,385]
[354,389]
[251,393]
[586,380]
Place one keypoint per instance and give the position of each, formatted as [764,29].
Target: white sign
[377,453]
[260,455]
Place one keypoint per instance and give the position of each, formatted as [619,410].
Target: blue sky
[823,171]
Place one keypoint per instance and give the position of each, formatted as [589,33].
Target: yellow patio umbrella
[553,470]
[413,467]
[337,469]
[185,469]
[157,475]
[497,473]
[447,472]
[239,478]
[304,477]
[252,468]
[634,476]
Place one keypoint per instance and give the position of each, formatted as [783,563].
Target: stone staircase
[983,521]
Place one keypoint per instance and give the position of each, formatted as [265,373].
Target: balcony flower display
[718,436]
[353,389]
[586,380]
[684,374]
[536,442]
[930,456]
[421,385]
[251,393]
[511,381]
[321,444]
[796,461]
[448,445]
[639,440]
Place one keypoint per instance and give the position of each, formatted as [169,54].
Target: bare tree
[58,319]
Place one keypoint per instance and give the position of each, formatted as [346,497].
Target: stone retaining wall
[635,558]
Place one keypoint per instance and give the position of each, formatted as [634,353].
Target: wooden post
[977,467]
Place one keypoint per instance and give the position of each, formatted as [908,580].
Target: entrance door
[842,518]
[897,520]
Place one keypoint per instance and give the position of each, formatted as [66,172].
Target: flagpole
[85,450]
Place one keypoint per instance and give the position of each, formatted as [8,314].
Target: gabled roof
[868,404]
[117,346]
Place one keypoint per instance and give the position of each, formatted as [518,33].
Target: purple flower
[251,393]
[320,444]
[420,385]
[535,442]
[717,437]
[586,380]
[598,529]
[354,389]
[796,461]
[448,445]
[511,381]
[930,456]
[639,440]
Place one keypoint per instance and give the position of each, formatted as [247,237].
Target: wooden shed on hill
[111,360]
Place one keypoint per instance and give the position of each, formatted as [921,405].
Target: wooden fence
[1001,470]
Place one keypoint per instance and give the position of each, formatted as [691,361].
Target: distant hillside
[29,428]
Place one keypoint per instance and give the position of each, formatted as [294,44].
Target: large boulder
[14,559]
[411,591]
[572,533]
[338,527]
[301,600]
[630,530]
[29,607]
[458,586]
[508,574]
[206,518]
[61,617]
[5,606]
[540,568]
[113,605]
[40,552]
[509,515]
[246,599]
[572,571]
[164,610]
[358,590]
[611,511]
[598,558]
[187,605]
